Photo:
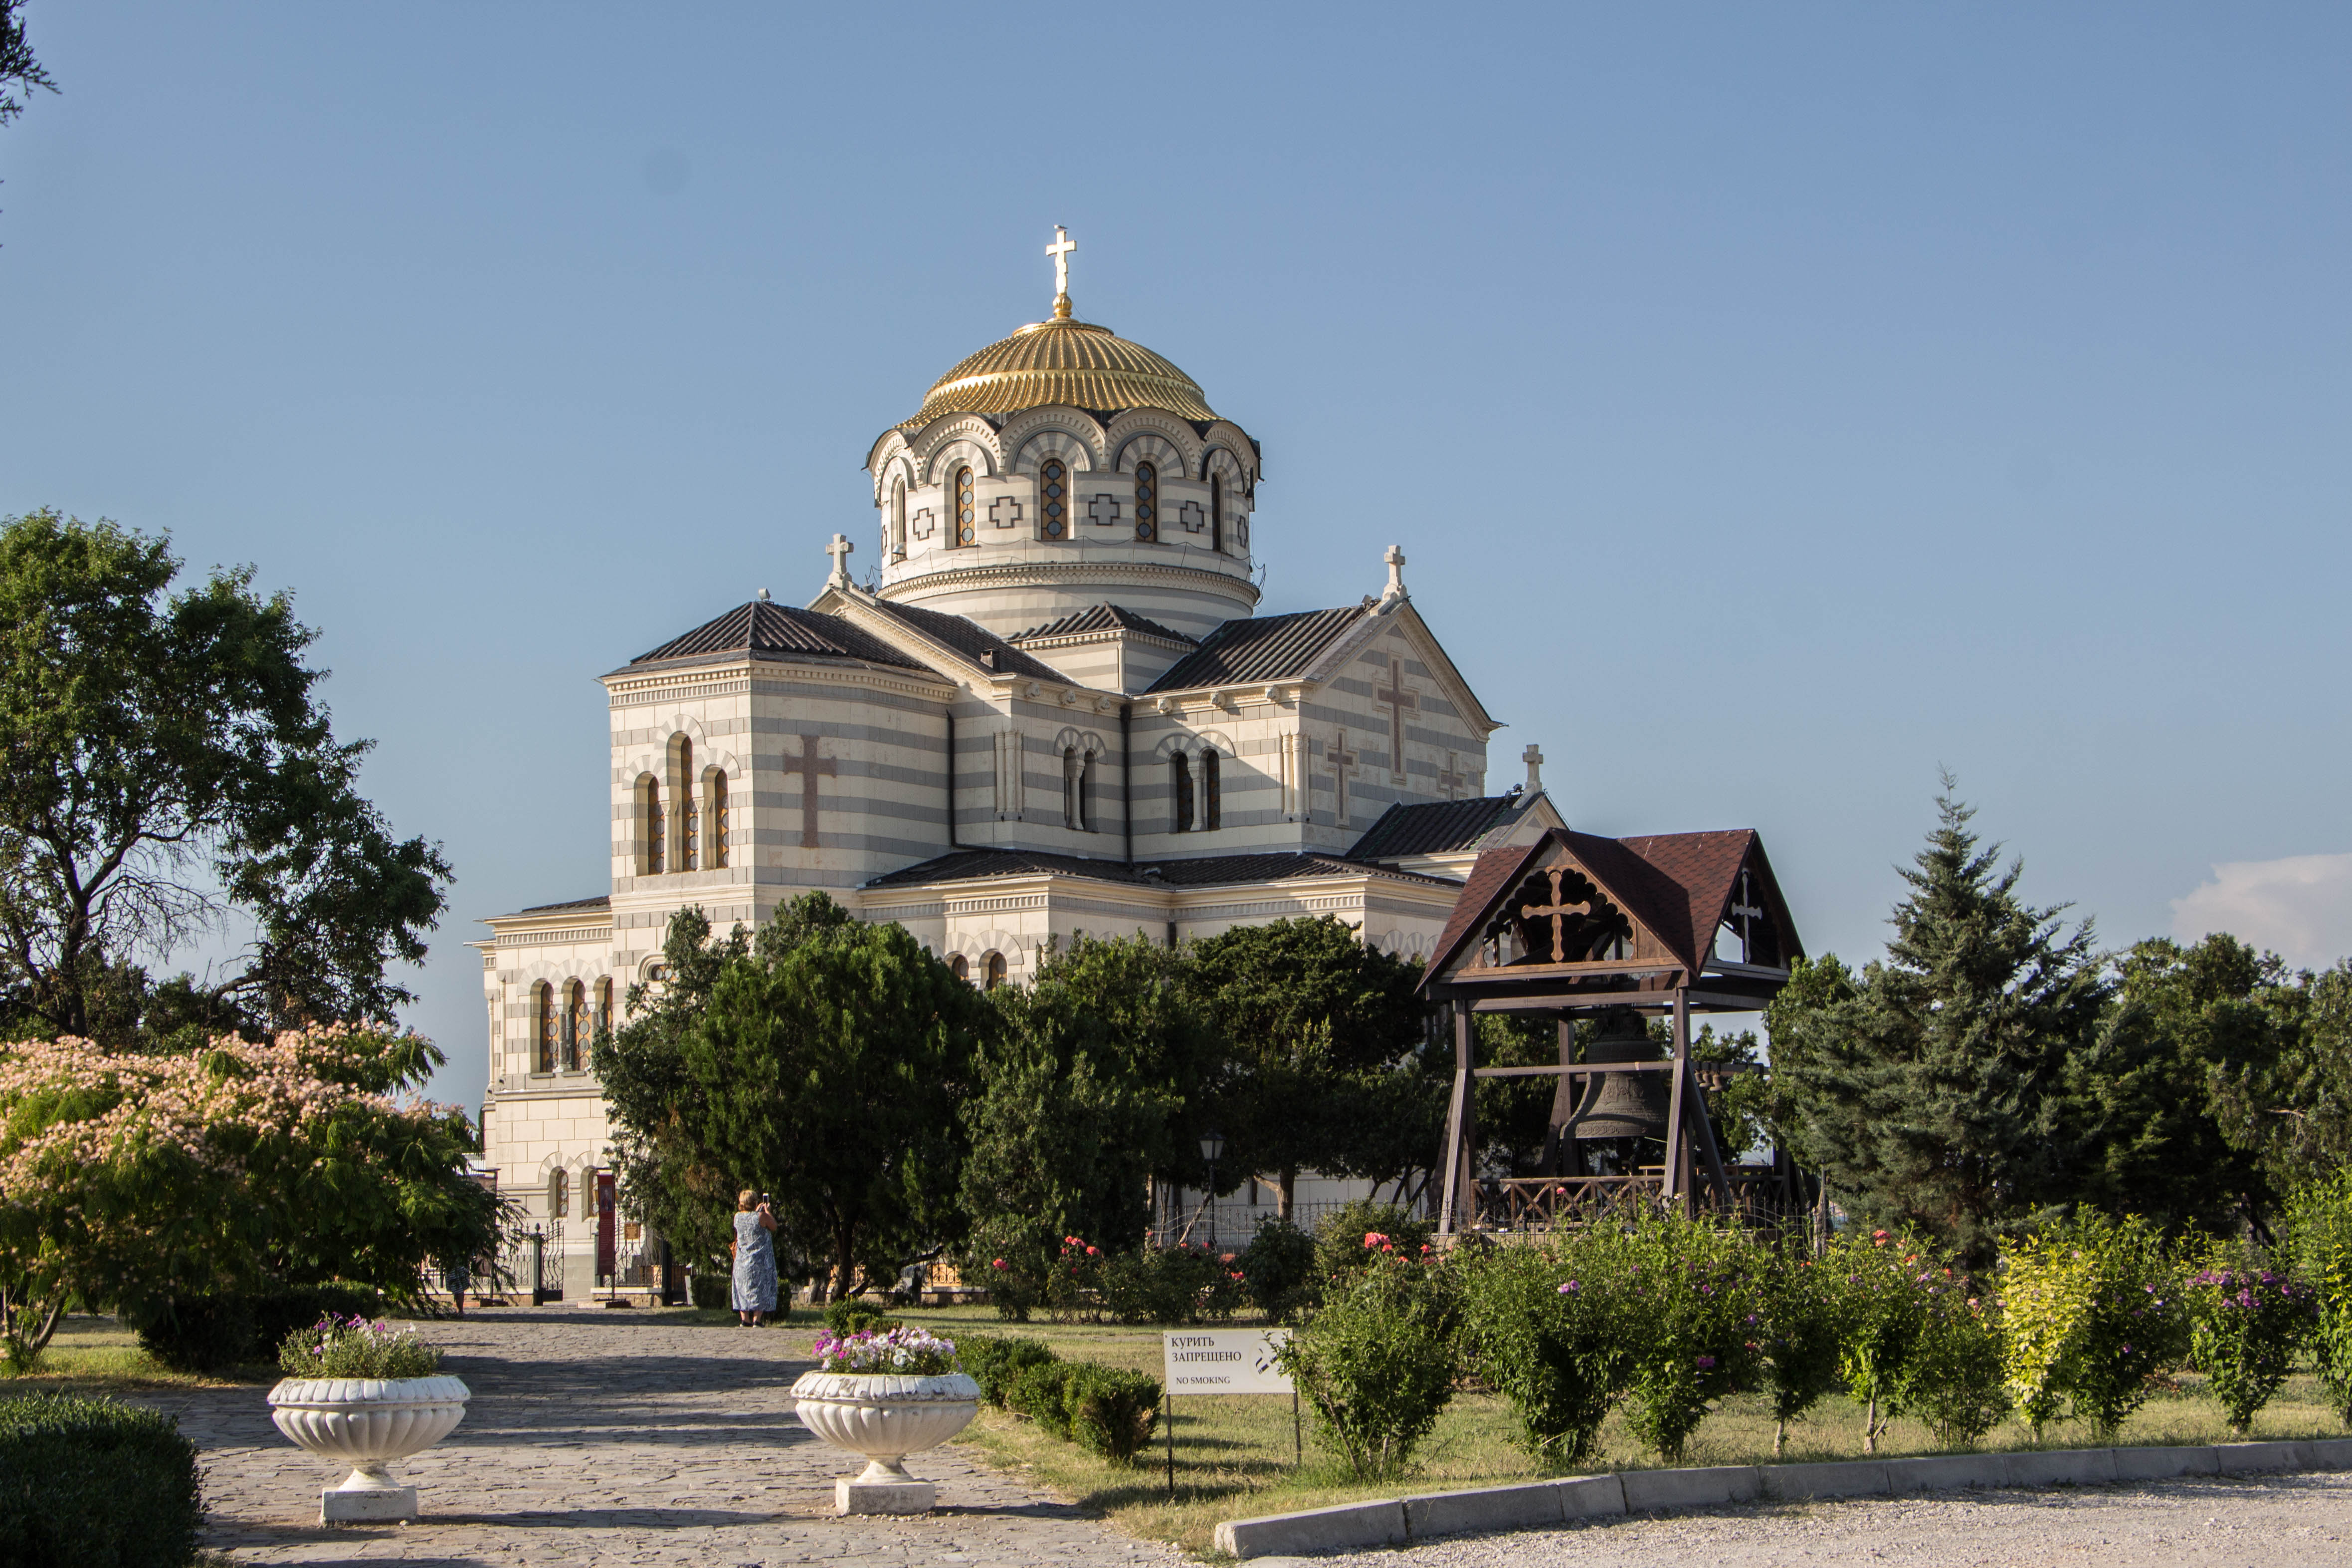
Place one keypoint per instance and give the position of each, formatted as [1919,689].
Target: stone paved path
[608,1437]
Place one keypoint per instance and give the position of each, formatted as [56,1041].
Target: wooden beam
[1579,1067]
[1677,1136]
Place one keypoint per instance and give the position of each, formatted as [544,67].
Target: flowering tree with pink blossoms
[129,1181]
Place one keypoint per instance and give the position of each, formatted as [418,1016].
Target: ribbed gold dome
[1067,361]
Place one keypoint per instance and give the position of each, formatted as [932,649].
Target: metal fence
[1229,1226]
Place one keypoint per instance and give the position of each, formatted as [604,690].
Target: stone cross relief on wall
[1397,699]
[1341,760]
[809,766]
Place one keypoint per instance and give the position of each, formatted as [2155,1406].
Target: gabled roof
[970,639]
[1262,647]
[1102,618]
[766,630]
[1208,871]
[1679,885]
[1438,828]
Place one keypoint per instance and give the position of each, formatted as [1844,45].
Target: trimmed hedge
[1105,1410]
[993,1363]
[91,1483]
[214,1332]
[1041,1392]
[712,1292]
[854,1316]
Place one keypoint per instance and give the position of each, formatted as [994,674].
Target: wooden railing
[1548,1203]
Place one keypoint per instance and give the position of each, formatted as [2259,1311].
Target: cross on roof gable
[1661,896]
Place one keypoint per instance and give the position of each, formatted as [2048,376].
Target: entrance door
[606,1262]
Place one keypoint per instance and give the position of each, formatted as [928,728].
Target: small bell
[1621,1104]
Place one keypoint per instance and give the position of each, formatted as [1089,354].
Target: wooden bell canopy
[1620,931]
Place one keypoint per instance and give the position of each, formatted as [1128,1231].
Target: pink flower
[1373,1239]
[998,1264]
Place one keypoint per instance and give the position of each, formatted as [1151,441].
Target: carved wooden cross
[1453,781]
[1746,912]
[1398,700]
[809,766]
[1342,760]
[1558,912]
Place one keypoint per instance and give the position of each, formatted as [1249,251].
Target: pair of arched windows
[1211,801]
[564,1026]
[991,969]
[697,840]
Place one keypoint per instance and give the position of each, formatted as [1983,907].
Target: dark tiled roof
[776,631]
[601,902]
[972,639]
[1677,884]
[1439,828]
[1266,648]
[1211,870]
[1102,618]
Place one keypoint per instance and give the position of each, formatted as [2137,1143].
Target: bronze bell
[1622,1104]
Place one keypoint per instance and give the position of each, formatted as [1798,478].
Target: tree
[1092,1084]
[827,1067]
[1323,1037]
[167,765]
[667,1178]
[19,71]
[1930,1090]
[2291,1112]
[2184,1023]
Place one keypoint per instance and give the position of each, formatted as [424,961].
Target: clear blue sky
[1775,403]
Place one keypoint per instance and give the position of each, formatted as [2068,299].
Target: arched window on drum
[718,824]
[1216,513]
[576,1026]
[1054,499]
[899,521]
[1147,502]
[543,1023]
[967,509]
[650,834]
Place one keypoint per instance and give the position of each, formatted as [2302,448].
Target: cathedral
[1052,711]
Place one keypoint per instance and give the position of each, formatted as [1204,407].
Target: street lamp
[1213,1144]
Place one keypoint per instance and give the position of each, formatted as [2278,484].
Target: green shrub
[1277,1270]
[1952,1380]
[1175,1285]
[2319,1231]
[1041,1392]
[198,1333]
[1881,1310]
[710,1290]
[1110,1410]
[1693,1305]
[2245,1323]
[2090,1312]
[1341,1251]
[1542,1326]
[1012,1259]
[855,1317]
[89,1483]
[995,1362]
[1376,1363]
[1799,1301]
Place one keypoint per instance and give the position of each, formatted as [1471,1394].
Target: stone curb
[1395,1522]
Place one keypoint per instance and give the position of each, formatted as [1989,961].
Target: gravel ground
[2261,1521]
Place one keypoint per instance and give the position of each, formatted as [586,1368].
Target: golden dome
[1067,361]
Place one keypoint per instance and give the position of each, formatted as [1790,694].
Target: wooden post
[1677,1139]
[1459,1204]
[1706,1147]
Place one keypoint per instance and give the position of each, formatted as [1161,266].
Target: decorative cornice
[1053,573]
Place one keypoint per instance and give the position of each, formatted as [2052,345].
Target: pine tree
[1930,1088]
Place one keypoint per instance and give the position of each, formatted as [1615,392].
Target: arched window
[542,1011]
[1147,502]
[576,1026]
[1216,512]
[1070,765]
[899,521]
[996,962]
[960,968]
[1085,792]
[1180,790]
[719,821]
[1054,498]
[649,825]
[1212,792]
[604,1004]
[559,1193]
[967,508]
[690,825]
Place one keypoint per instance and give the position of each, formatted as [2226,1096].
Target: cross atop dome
[1060,252]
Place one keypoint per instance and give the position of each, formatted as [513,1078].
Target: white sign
[1224,1361]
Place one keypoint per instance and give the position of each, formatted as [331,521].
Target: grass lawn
[93,1355]
[1234,1452]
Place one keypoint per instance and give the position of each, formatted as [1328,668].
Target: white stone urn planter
[367,1423]
[884,1417]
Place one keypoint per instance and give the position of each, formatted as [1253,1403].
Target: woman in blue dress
[755,1292]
